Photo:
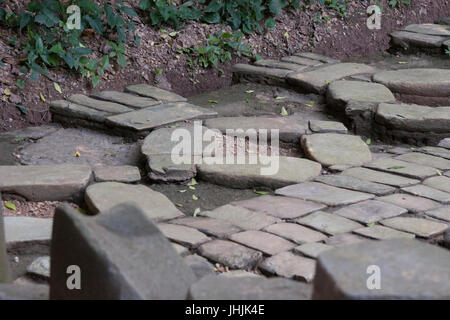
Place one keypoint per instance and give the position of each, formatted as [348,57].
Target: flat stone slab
[323,193]
[312,249]
[105,195]
[301,61]
[328,223]
[280,207]
[265,242]
[45,183]
[201,266]
[403,168]
[336,149]
[260,74]
[182,251]
[127,174]
[444,20]
[412,203]
[241,217]
[382,233]
[441,183]
[429,28]
[407,39]
[352,183]
[110,107]
[40,267]
[295,233]
[183,235]
[280,172]
[370,211]
[26,229]
[420,227]
[427,192]
[411,117]
[425,160]
[320,126]
[317,81]
[230,254]
[155,93]
[269,63]
[213,227]
[74,110]
[289,265]
[11,291]
[344,239]
[444,143]
[315,56]
[343,273]
[435,151]
[127,99]
[380,177]
[442,213]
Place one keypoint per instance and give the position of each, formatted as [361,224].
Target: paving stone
[420,227]
[73,110]
[122,255]
[332,148]
[441,183]
[344,239]
[200,266]
[301,61]
[427,192]
[239,274]
[295,233]
[280,207]
[127,99]
[317,81]
[27,230]
[269,63]
[348,182]
[406,271]
[312,249]
[403,168]
[126,174]
[289,265]
[248,288]
[40,267]
[370,211]
[444,143]
[412,203]
[380,177]
[241,217]
[319,126]
[5,273]
[407,39]
[442,213]
[382,233]
[155,93]
[447,239]
[159,115]
[328,223]
[425,160]
[182,251]
[183,235]
[447,173]
[10,291]
[213,227]
[262,241]
[323,193]
[289,130]
[316,56]
[109,107]
[429,28]
[277,172]
[230,254]
[105,195]
[435,151]
[35,133]
[265,75]
[411,117]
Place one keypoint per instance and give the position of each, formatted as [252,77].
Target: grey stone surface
[435,151]
[230,254]
[106,106]
[122,255]
[317,57]
[352,183]
[407,40]
[27,230]
[24,292]
[126,174]
[301,61]
[40,267]
[441,183]
[265,75]
[45,183]
[444,20]
[155,93]
[442,213]
[444,143]
[182,251]
[73,110]
[382,233]
[320,126]
[295,233]
[199,265]
[127,99]
[370,211]
[403,168]
[270,63]
[105,195]
[412,203]
[380,177]
[210,226]
[323,193]
[5,275]
[289,265]
[313,249]
[429,28]
[344,239]
[35,133]
[183,235]
[406,271]
[425,160]
[420,227]
[427,192]
[262,241]
[335,149]
[248,288]
[447,239]
[328,223]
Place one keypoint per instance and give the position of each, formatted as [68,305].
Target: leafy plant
[397,3]
[163,11]
[447,51]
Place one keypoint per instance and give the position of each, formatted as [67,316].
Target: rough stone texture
[183,235]
[109,107]
[435,151]
[447,239]
[412,203]
[127,99]
[262,241]
[34,133]
[335,149]
[155,93]
[313,249]
[5,275]
[441,183]
[380,177]
[73,110]
[315,56]
[230,254]
[429,28]
[444,20]
[27,230]
[182,251]
[45,183]
[403,168]
[199,265]
[427,192]
[407,39]
[323,193]
[126,174]
[420,227]
[241,217]
[269,63]
[105,195]
[272,76]
[442,213]
[444,143]
[40,267]
[352,183]
[24,292]
[328,223]
[320,126]
[214,227]
[295,233]
[122,255]
[382,233]
[248,288]
[344,239]
[406,272]
[290,170]
[370,211]
[280,207]
[289,265]
[425,160]
[301,61]
[316,81]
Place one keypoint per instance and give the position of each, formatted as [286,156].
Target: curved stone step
[408,40]
[429,28]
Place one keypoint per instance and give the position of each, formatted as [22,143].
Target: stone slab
[270,63]
[441,183]
[403,168]
[127,99]
[200,266]
[289,265]
[427,192]
[382,233]
[213,227]
[267,243]
[328,223]
[127,174]
[320,126]
[370,211]
[272,76]
[315,56]
[10,291]
[186,236]
[5,273]
[425,160]
[295,233]
[312,249]
[444,143]
[27,230]
[301,61]
[412,203]
[155,93]
[344,239]
[429,28]
[70,109]
[407,39]
[420,227]
[435,151]
[352,183]
[442,213]
[40,267]
[106,106]
[380,177]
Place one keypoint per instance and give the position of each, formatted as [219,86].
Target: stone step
[429,28]
[155,93]
[105,106]
[127,99]
[407,40]
[315,56]
[27,230]
[258,74]
[72,110]
[301,61]
[270,63]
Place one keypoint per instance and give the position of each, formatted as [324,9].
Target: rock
[441,183]
[403,168]
[248,288]
[40,267]
[352,183]
[344,273]
[344,239]
[370,211]
[200,266]
[412,203]
[5,275]
[45,183]
[425,160]
[105,106]
[313,249]
[445,143]
[407,39]
[427,192]
[429,28]
[239,274]
[447,239]
[382,233]
[127,99]
[380,177]
[185,236]
[328,223]
[445,21]
[280,207]
[269,63]
[262,241]
[127,174]
[106,195]
[122,256]
[182,251]
[295,233]
[155,93]
[213,227]
[301,61]
[435,151]
[230,254]
[442,213]
[35,133]
[258,74]
[336,149]
[322,193]
[420,227]
[73,110]
[27,230]
[23,292]
[319,126]
[316,56]
[289,265]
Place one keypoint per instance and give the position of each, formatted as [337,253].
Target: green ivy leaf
[10,206]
